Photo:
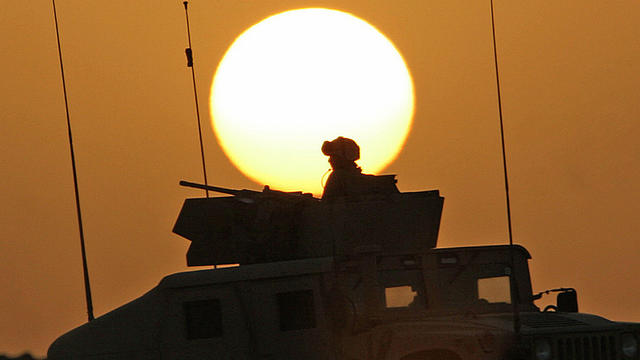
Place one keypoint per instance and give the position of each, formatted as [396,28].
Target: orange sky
[570,72]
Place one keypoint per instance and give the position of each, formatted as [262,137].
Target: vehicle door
[288,319]
[205,322]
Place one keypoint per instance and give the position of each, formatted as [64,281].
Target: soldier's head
[342,152]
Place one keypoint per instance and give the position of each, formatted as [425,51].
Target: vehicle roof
[291,268]
[248,272]
[516,247]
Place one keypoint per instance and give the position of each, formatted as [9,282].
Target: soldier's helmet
[343,148]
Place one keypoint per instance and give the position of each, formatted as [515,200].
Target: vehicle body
[357,309]
[375,293]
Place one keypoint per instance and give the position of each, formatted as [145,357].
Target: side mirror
[567,301]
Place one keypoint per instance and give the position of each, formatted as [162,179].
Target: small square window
[399,296]
[403,289]
[495,289]
[296,310]
[203,319]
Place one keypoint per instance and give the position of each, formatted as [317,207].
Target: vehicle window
[399,296]
[203,319]
[296,310]
[495,289]
[403,289]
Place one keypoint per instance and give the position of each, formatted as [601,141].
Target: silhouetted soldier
[342,153]
[347,178]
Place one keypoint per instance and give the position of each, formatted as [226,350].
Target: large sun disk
[304,76]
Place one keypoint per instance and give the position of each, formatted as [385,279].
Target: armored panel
[263,228]
[394,223]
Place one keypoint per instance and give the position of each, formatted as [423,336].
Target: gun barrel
[210,188]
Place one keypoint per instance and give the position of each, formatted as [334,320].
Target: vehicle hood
[552,322]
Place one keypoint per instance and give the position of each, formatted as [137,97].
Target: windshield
[401,283]
[403,289]
[405,285]
[494,290]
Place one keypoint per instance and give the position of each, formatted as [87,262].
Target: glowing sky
[570,73]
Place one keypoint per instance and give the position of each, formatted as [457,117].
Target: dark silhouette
[342,153]
[354,276]
[347,178]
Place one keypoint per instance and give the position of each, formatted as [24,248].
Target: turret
[361,213]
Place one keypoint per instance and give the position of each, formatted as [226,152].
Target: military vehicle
[354,275]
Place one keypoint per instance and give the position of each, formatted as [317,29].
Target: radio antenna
[515,300]
[189,54]
[87,286]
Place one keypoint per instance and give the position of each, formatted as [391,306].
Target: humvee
[349,278]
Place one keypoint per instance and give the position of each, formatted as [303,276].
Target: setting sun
[304,76]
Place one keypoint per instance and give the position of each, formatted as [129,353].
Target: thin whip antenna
[516,300]
[504,156]
[87,286]
[189,54]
